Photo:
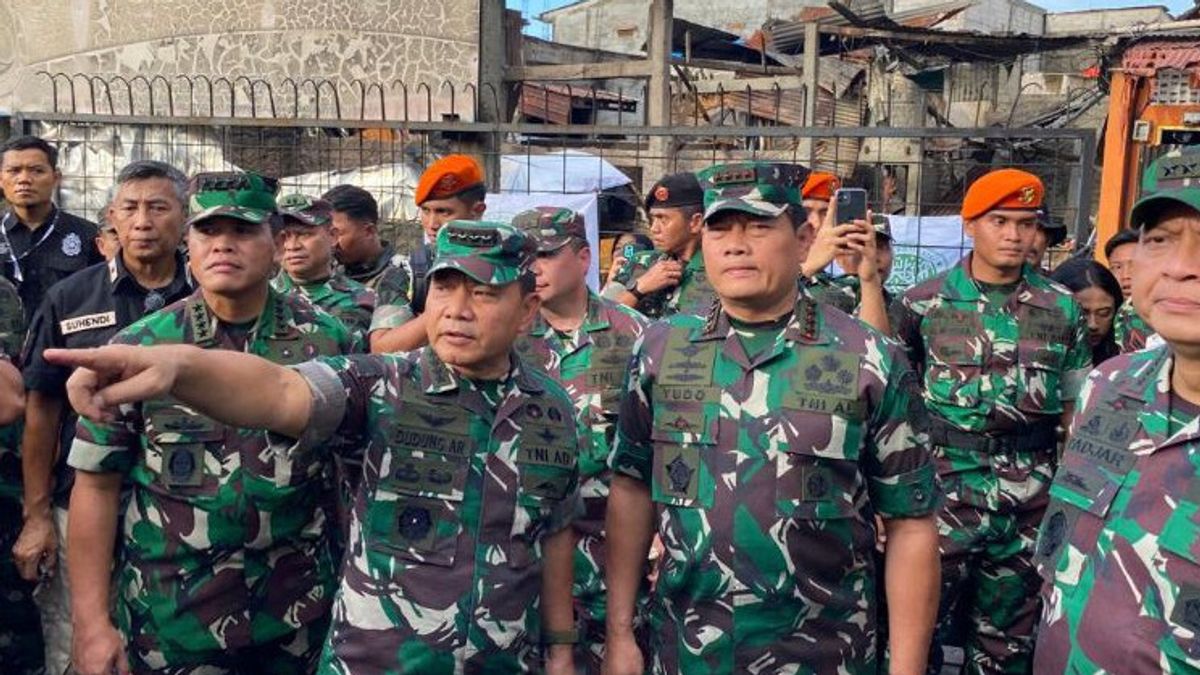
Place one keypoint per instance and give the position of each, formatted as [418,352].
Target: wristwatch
[560,637]
[633,290]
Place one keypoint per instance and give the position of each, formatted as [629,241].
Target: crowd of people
[242,433]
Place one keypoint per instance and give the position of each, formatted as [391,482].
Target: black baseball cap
[675,190]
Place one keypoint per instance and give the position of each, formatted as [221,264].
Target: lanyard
[13,258]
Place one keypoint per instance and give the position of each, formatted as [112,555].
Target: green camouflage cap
[1173,178]
[304,210]
[491,253]
[551,227]
[245,196]
[763,189]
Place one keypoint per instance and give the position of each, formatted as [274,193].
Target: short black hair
[472,195]
[31,143]
[1125,236]
[354,202]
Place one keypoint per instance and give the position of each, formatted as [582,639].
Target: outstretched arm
[237,389]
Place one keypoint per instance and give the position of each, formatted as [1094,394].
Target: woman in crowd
[1099,294]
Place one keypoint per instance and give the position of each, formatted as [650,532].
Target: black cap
[1056,232]
[675,191]
[1125,236]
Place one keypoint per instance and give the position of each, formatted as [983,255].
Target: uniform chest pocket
[184,451]
[812,486]
[684,434]
[1081,498]
[955,371]
[1040,377]
[64,264]
[415,513]
[1181,560]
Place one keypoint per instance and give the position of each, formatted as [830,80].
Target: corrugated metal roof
[1147,57]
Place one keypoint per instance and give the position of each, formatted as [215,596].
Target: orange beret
[448,177]
[820,185]
[1003,189]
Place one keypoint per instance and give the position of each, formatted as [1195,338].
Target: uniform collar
[1147,381]
[437,377]
[11,220]
[274,322]
[593,320]
[119,275]
[374,267]
[1031,289]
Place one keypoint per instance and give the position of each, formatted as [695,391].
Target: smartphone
[627,251]
[850,204]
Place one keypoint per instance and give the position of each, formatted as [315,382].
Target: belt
[1037,437]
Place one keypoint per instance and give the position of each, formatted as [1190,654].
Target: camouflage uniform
[1118,546]
[21,649]
[996,378]
[1129,329]
[462,479]
[224,543]
[348,301]
[764,467]
[693,295]
[388,276]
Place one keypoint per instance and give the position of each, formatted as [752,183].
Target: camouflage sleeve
[113,446]
[343,388]
[899,466]
[108,447]
[392,306]
[622,280]
[632,451]
[1079,356]
[906,327]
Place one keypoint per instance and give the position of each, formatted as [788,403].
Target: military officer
[361,251]
[306,254]
[670,278]
[20,631]
[1120,545]
[761,440]
[583,341]
[452,188]
[227,567]
[1001,351]
[461,551]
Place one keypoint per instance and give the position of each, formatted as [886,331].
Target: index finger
[73,358]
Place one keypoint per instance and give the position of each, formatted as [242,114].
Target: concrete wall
[621,25]
[1104,19]
[372,40]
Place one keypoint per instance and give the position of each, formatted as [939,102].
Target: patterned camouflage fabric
[489,252]
[766,474]
[1005,371]
[693,295]
[552,227]
[1172,178]
[225,544]
[21,649]
[841,291]
[762,189]
[244,196]
[591,364]
[1119,545]
[1129,329]
[461,481]
[388,276]
[348,301]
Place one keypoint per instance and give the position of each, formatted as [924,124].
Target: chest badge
[72,245]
